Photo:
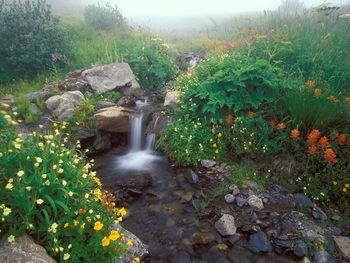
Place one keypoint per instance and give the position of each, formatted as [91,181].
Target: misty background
[171,17]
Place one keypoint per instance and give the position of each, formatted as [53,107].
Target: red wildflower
[341,138]
[281,126]
[272,122]
[295,134]
[310,84]
[318,92]
[229,118]
[250,113]
[333,99]
[323,142]
[313,136]
[329,156]
[312,150]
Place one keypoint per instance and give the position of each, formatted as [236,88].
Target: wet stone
[343,246]
[300,249]
[322,257]
[283,241]
[233,239]
[191,177]
[226,225]
[181,257]
[255,202]
[202,238]
[208,163]
[240,201]
[302,200]
[259,242]
[229,198]
[336,231]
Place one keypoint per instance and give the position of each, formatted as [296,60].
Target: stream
[159,200]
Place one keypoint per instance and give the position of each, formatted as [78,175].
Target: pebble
[259,242]
[255,202]
[300,249]
[226,225]
[229,198]
[241,201]
[208,163]
[322,257]
[302,200]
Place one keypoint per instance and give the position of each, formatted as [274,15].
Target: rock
[113,119]
[240,255]
[127,101]
[108,77]
[226,225]
[240,201]
[104,104]
[138,249]
[317,213]
[234,238]
[172,99]
[235,190]
[259,242]
[283,241]
[302,200]
[336,231]
[8,99]
[221,247]
[186,197]
[208,163]
[300,249]
[133,89]
[34,109]
[255,202]
[191,177]
[63,106]
[306,260]
[343,246]
[181,257]
[83,132]
[251,185]
[158,123]
[310,235]
[202,238]
[229,198]
[322,257]
[284,166]
[23,250]
[102,142]
[336,218]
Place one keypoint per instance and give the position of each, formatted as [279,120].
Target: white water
[138,157]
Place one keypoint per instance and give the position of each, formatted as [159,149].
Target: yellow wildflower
[129,243]
[114,235]
[136,260]
[121,212]
[20,173]
[98,226]
[105,242]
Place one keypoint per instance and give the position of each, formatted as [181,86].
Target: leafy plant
[24,110]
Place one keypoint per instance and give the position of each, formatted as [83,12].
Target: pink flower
[269,33]
[55,57]
[228,44]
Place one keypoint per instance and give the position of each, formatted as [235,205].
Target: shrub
[104,17]
[50,192]
[31,38]
[187,142]
[24,110]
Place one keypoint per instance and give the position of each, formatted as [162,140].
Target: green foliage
[84,114]
[187,142]
[50,192]
[230,84]
[104,17]
[24,110]
[31,38]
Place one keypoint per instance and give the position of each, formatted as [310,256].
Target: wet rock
[283,241]
[181,257]
[322,257]
[293,222]
[208,163]
[172,99]
[259,242]
[240,201]
[186,197]
[300,249]
[235,190]
[158,123]
[127,101]
[83,132]
[240,255]
[310,235]
[63,106]
[226,225]
[102,142]
[191,177]
[343,246]
[108,77]
[221,247]
[317,213]
[133,89]
[202,238]
[255,202]
[336,231]
[229,198]
[302,200]
[104,104]
[234,238]
[113,119]
[23,250]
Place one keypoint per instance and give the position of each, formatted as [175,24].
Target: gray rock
[343,246]
[23,250]
[8,99]
[229,198]
[191,177]
[34,109]
[108,77]
[259,242]
[172,99]
[235,190]
[283,241]
[133,89]
[102,142]
[255,202]
[241,201]
[63,106]
[317,213]
[323,257]
[310,235]
[300,249]
[202,238]
[104,104]
[158,123]
[226,225]
[83,132]
[208,163]
[302,200]
[234,238]
[336,231]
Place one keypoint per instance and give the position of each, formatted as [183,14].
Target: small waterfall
[136,132]
[150,141]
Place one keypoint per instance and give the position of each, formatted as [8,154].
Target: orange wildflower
[229,118]
[310,84]
[250,113]
[295,134]
[329,156]
[341,138]
[313,136]
[323,142]
[333,99]
[281,126]
[347,101]
[272,122]
[318,92]
[312,150]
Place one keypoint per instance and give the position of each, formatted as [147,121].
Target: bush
[50,192]
[104,17]
[31,38]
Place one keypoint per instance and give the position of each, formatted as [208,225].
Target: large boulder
[23,250]
[63,106]
[172,99]
[158,123]
[108,77]
[114,119]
